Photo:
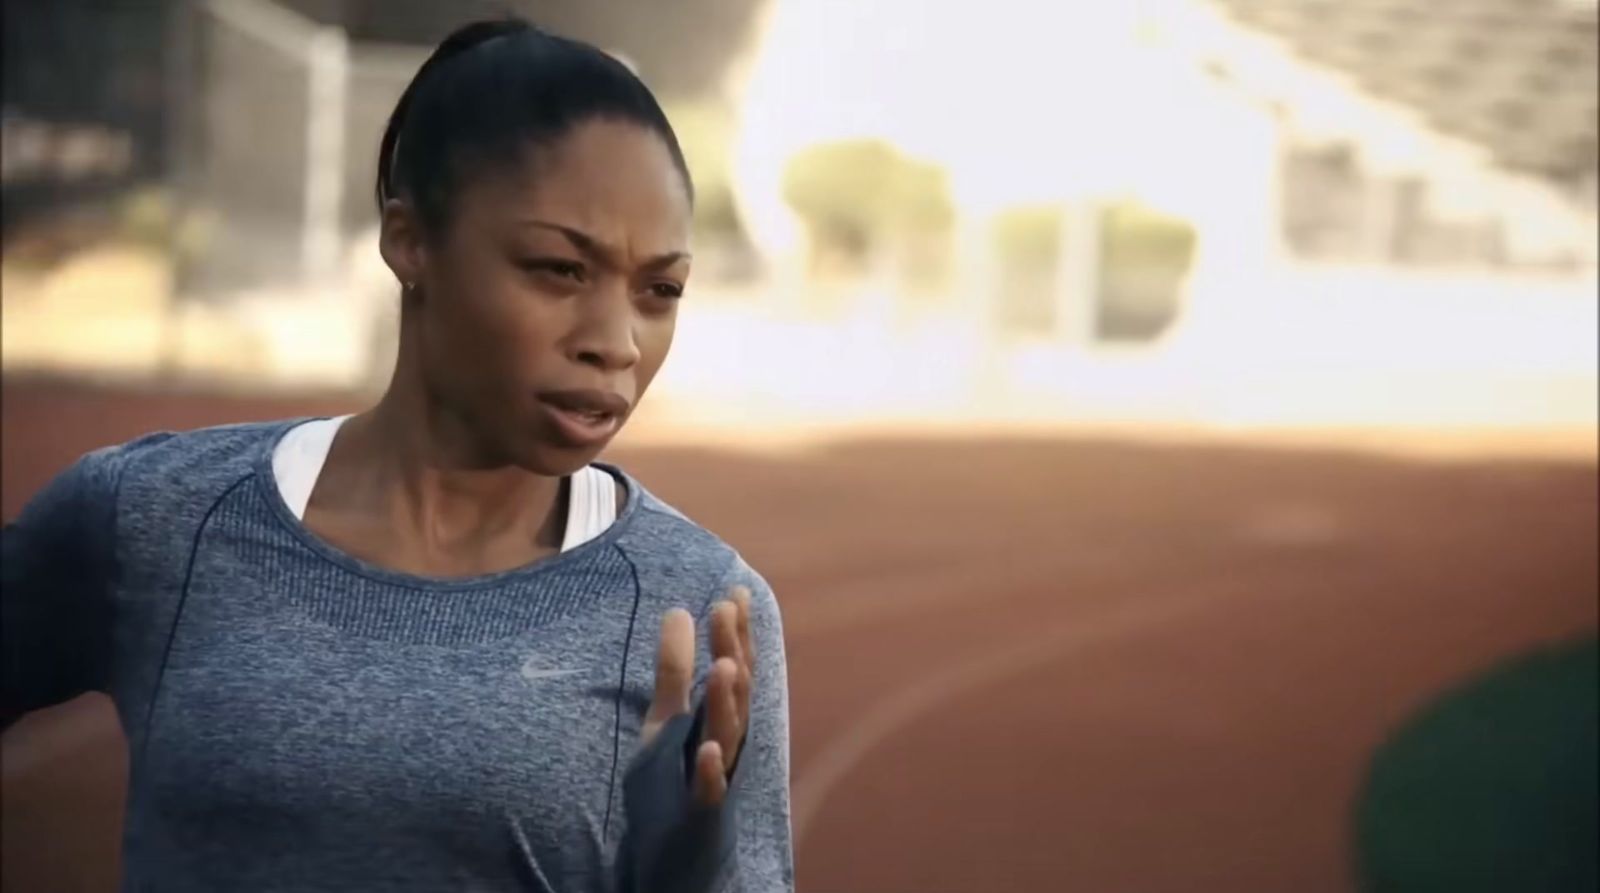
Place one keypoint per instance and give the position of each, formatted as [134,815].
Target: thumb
[674,671]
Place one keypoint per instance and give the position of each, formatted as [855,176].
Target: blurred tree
[1027,245]
[1145,256]
[1030,235]
[861,200]
[705,133]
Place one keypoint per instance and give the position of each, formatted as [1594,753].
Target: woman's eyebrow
[594,248]
[662,261]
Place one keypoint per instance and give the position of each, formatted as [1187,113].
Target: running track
[1072,664]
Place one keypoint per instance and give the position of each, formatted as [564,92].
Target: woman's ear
[400,241]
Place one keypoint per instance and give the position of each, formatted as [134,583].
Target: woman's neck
[420,472]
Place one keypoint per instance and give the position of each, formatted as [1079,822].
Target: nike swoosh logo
[532,672]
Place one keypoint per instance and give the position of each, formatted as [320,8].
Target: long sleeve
[56,562]
[744,845]
[764,852]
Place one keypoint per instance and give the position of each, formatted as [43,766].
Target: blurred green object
[1029,235]
[705,134]
[1027,246]
[1493,786]
[856,196]
[1144,257]
[145,217]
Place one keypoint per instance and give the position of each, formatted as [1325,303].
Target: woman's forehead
[601,177]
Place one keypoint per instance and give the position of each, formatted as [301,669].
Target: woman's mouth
[584,418]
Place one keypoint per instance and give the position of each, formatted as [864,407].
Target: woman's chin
[553,460]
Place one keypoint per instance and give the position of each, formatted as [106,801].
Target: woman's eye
[668,290]
[565,269]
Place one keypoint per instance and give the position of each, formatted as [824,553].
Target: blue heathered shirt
[300,720]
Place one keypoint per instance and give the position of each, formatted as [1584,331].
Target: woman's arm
[764,854]
[55,608]
[686,835]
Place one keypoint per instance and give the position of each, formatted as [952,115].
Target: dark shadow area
[1492,786]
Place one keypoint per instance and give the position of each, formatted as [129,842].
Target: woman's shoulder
[665,540]
[168,452]
[222,452]
[652,521]
[159,475]
[173,468]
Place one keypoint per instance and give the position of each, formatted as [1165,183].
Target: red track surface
[1069,665]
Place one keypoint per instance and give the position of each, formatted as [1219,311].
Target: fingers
[741,598]
[710,779]
[731,643]
[730,629]
[725,632]
[731,638]
[747,671]
[674,671]
[724,721]
[729,686]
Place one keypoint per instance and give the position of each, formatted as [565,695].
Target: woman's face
[547,306]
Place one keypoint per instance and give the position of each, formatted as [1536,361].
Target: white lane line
[916,590]
[889,714]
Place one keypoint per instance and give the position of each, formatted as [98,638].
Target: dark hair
[490,91]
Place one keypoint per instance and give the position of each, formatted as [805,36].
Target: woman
[411,649]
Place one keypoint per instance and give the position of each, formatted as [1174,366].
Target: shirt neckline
[267,484]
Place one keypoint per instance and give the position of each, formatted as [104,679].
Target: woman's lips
[585,418]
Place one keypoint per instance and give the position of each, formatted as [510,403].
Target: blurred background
[1150,414]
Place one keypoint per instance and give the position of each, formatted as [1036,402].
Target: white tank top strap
[299,457]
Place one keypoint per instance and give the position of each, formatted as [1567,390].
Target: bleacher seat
[1514,76]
